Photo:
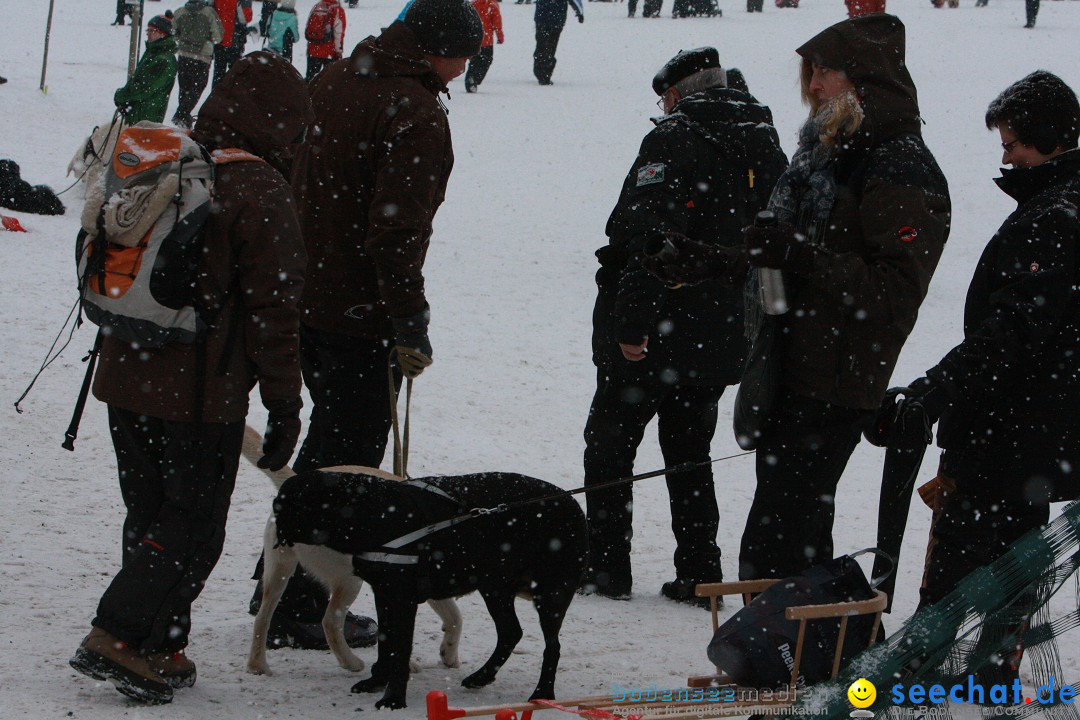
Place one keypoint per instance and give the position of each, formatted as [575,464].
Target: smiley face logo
[862,693]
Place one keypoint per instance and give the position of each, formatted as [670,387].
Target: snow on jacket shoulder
[368,182]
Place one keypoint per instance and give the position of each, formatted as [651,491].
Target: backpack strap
[224,156]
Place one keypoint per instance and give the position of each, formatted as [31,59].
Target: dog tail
[252,451]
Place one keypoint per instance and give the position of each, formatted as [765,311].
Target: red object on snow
[437,708]
[864,7]
[11,223]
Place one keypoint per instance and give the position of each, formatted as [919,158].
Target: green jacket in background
[147,92]
[197,29]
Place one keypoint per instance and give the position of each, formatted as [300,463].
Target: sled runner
[734,700]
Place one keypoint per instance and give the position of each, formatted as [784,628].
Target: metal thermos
[771,280]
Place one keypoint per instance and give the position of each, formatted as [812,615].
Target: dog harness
[391,552]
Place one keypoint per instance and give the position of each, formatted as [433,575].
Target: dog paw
[449,656]
[352,663]
[258,668]
[390,703]
[478,679]
[369,685]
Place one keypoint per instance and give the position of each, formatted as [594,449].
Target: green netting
[973,629]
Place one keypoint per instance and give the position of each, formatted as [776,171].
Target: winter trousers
[350,423]
[192,75]
[621,409]
[176,479]
[350,414]
[971,528]
[315,66]
[801,456]
[1032,8]
[652,8]
[547,41]
[225,58]
[478,68]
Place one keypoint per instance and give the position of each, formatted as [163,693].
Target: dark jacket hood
[395,53]
[870,49]
[261,106]
[1022,184]
[731,119]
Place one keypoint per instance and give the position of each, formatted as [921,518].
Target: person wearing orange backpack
[481,63]
[325,35]
[177,431]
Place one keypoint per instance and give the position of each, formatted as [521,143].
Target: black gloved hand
[930,395]
[282,432]
[124,109]
[411,344]
[877,434]
[922,403]
[778,246]
[675,259]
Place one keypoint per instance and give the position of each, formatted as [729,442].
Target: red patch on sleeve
[907,234]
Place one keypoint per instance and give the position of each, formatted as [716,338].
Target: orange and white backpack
[142,236]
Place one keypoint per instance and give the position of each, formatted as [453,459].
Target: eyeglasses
[1008,147]
[660,102]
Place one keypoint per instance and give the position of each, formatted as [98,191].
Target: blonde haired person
[862,217]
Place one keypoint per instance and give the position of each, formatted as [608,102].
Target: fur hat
[683,65]
[1041,109]
[446,28]
[162,23]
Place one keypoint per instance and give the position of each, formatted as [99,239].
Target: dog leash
[681,467]
[406,558]
[401,447]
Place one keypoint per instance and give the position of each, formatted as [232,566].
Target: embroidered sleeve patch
[650,174]
[908,234]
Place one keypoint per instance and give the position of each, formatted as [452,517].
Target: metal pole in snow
[45,60]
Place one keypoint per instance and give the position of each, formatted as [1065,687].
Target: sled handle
[877,552]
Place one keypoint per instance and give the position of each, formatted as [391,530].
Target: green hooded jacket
[147,92]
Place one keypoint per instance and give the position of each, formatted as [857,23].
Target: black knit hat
[162,23]
[446,28]
[683,65]
[1041,110]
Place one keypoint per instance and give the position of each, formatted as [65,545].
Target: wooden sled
[734,699]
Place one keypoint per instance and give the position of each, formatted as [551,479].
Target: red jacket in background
[333,48]
[492,19]
[862,7]
[226,10]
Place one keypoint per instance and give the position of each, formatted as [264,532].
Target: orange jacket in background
[492,19]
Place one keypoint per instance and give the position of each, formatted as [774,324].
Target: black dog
[420,539]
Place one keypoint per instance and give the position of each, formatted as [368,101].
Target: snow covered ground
[510,283]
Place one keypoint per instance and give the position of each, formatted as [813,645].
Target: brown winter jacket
[854,309]
[254,262]
[368,181]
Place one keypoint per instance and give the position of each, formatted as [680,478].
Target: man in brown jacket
[368,182]
[177,418]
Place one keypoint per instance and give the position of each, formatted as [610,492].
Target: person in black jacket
[704,171]
[550,17]
[863,215]
[1008,394]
